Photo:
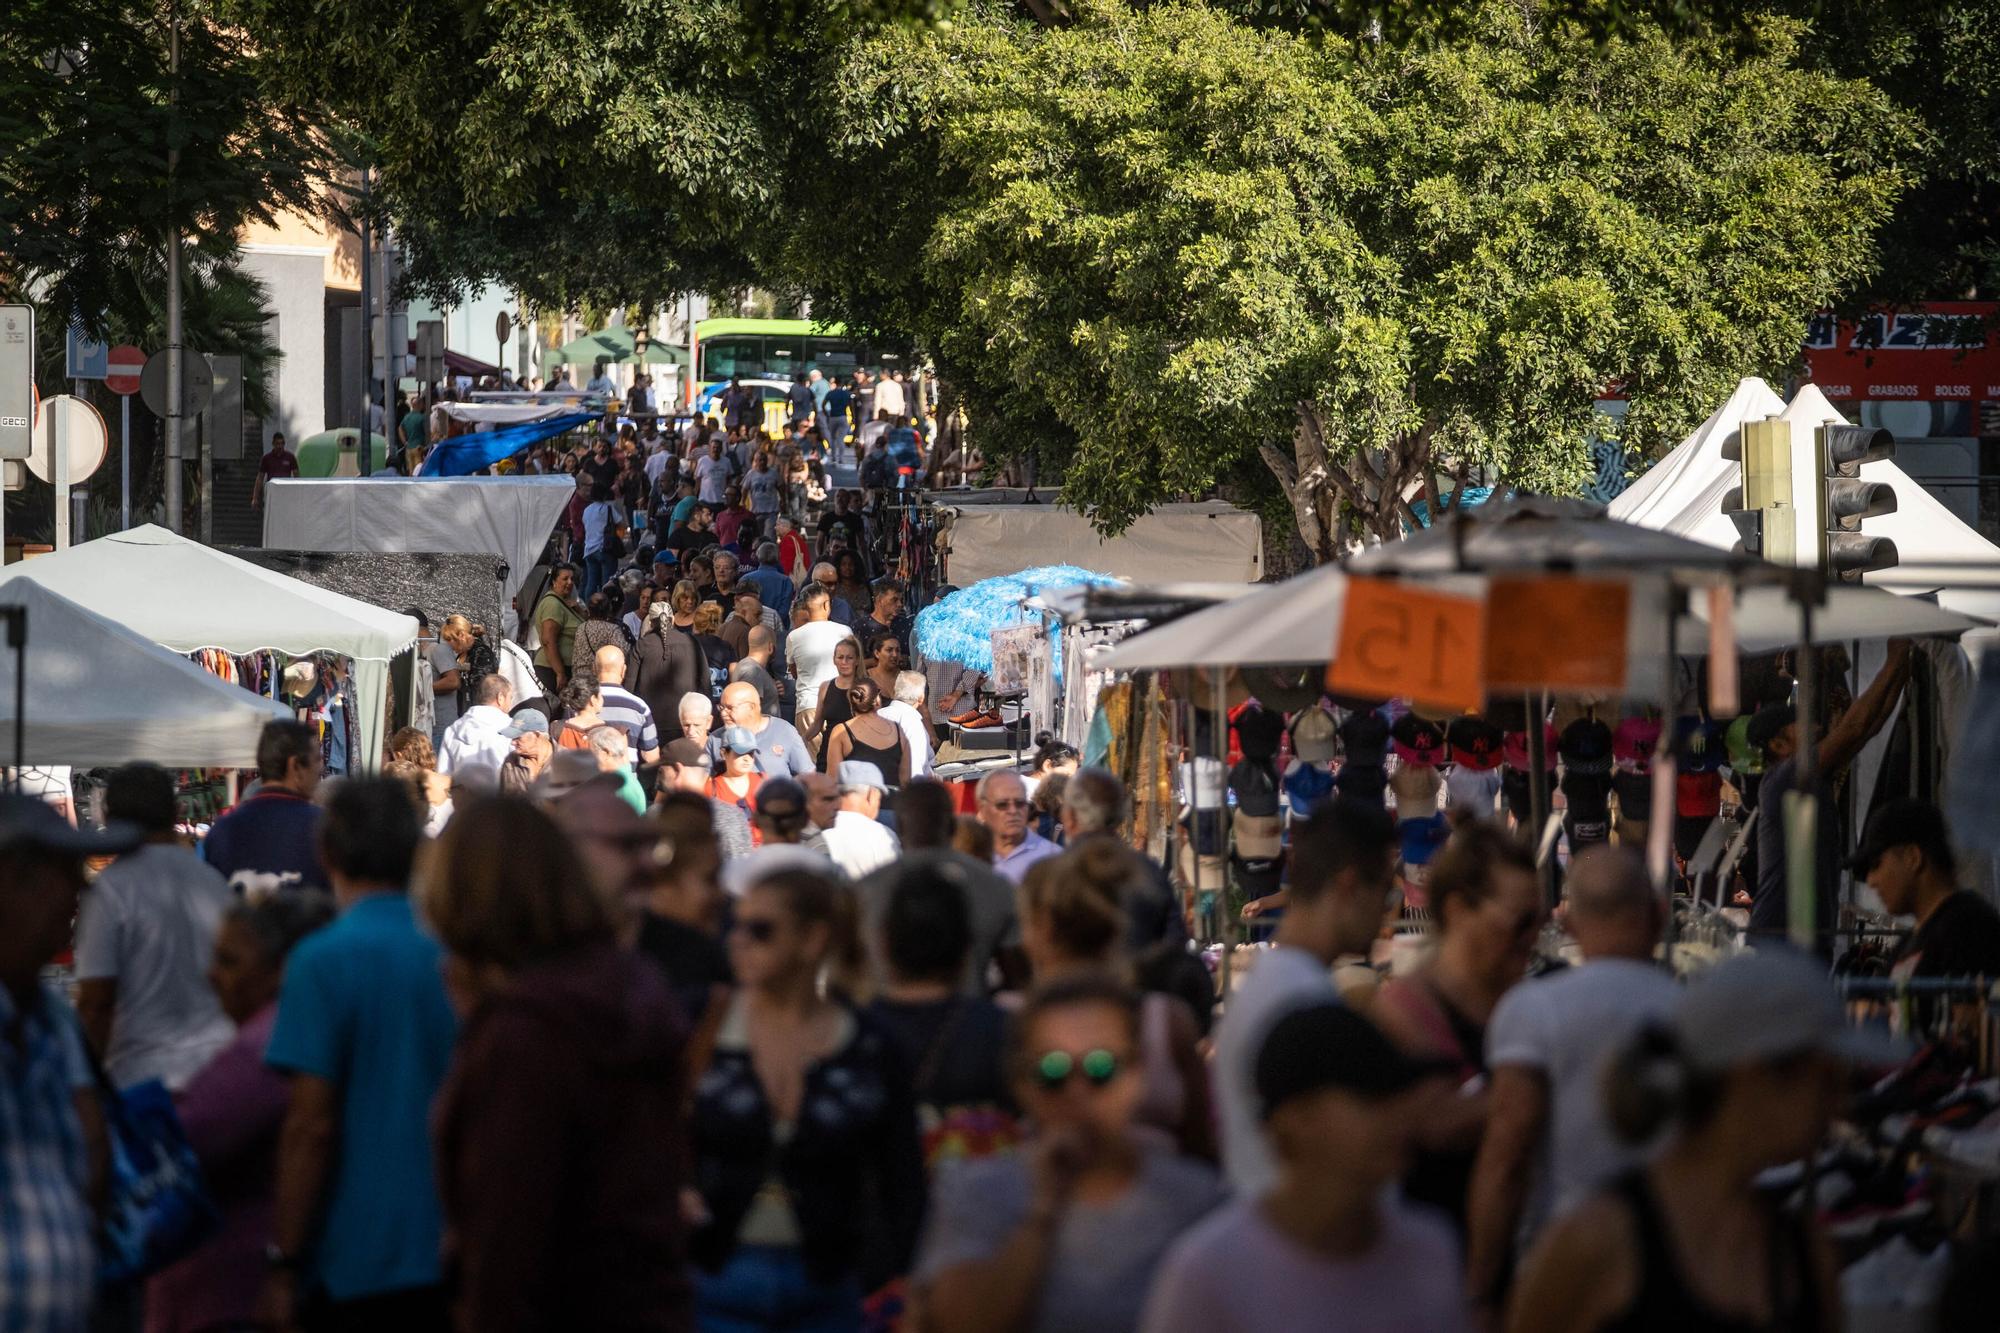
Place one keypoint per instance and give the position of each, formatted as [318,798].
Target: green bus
[778,349]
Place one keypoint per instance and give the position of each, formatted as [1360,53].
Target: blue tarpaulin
[463,455]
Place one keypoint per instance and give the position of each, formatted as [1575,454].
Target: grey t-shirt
[149,924]
[1236,1273]
[1283,979]
[989,901]
[781,751]
[1104,1256]
[443,661]
[1566,1027]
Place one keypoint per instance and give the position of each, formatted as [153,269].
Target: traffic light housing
[1801,500]
[1848,500]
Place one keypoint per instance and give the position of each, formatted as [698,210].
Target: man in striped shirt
[623,709]
[48,1257]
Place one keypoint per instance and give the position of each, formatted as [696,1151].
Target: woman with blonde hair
[558,1133]
[833,708]
[1073,921]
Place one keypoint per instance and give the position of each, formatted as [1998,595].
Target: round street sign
[124,363]
[197,382]
[83,434]
[502,326]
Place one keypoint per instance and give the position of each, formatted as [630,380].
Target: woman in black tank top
[868,737]
[1747,1076]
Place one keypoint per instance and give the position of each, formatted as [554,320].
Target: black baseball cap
[1906,822]
[1332,1046]
[26,821]
[1766,723]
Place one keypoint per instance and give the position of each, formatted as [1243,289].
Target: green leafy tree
[1210,250]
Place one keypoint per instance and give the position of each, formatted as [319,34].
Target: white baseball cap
[1770,1003]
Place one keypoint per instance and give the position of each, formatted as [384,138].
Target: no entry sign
[123,366]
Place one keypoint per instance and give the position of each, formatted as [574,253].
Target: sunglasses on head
[1053,1070]
[759,930]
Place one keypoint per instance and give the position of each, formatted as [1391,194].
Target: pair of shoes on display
[980,721]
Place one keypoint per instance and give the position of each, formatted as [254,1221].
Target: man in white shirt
[144,940]
[1003,809]
[477,744]
[1343,867]
[906,710]
[856,841]
[809,649]
[711,474]
[889,397]
[1548,1144]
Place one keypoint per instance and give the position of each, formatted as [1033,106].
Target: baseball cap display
[1632,745]
[1418,740]
[1364,737]
[1585,747]
[1475,743]
[1315,736]
[1514,748]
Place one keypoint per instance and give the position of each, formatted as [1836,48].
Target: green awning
[614,345]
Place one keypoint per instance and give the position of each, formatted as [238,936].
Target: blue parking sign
[85,358]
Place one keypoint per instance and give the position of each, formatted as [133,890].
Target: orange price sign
[1397,640]
[1557,632]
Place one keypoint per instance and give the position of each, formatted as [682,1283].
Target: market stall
[93,692]
[188,597]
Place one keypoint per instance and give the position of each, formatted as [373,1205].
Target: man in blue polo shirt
[366,1033]
[270,840]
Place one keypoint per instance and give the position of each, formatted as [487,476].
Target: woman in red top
[739,779]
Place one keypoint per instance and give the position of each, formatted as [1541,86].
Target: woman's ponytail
[1650,1084]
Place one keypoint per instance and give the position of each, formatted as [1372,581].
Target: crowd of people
[728,1064]
[656,982]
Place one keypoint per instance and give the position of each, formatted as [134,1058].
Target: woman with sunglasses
[806,1150]
[736,780]
[1067,1233]
[1073,922]
[1486,904]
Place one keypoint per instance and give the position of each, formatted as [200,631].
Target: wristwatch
[275,1256]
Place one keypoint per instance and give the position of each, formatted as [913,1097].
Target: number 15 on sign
[1400,641]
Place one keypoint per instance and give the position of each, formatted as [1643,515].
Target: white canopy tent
[508,518]
[1683,493]
[96,693]
[186,596]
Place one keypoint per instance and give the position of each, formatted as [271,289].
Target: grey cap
[1773,1002]
[860,773]
[28,822]
[525,721]
[739,740]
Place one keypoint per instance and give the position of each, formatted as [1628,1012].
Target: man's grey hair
[607,740]
[1096,798]
[721,556]
[910,687]
[987,779]
[826,565]
[698,704]
[767,553]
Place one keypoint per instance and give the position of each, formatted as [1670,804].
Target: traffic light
[1763,504]
[1847,499]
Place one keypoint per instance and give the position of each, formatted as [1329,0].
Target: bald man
[1548,1144]
[624,709]
[781,751]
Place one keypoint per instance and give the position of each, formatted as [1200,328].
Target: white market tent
[1683,493]
[508,518]
[96,693]
[185,597]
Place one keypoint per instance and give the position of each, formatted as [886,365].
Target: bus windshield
[779,349]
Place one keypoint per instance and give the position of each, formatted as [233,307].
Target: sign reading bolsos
[1399,640]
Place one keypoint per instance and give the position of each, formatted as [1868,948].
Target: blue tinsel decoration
[955,629]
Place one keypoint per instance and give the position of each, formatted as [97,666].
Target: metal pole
[176,379]
[204,426]
[364,446]
[59,472]
[390,353]
[1538,788]
[692,350]
[1802,822]
[124,462]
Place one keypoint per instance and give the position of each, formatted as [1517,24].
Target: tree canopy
[1197,244]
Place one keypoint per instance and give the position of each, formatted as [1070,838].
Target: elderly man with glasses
[1003,809]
